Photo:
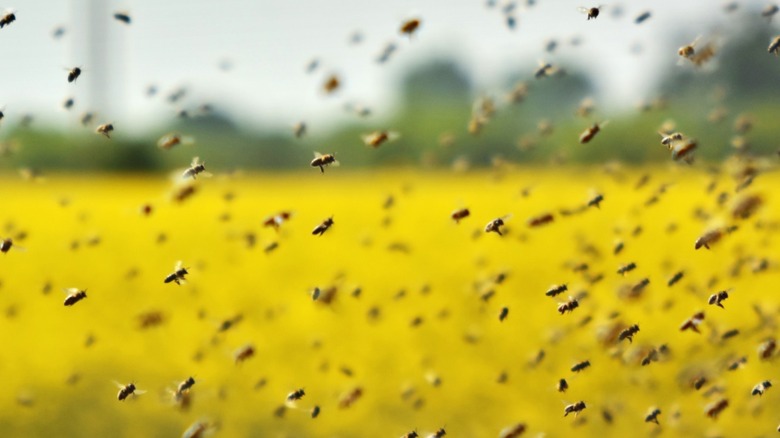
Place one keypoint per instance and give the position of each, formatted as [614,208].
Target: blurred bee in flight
[378,138]
[127,390]
[277,220]
[320,229]
[409,27]
[299,129]
[718,298]
[568,306]
[629,333]
[563,385]
[105,129]
[168,141]
[575,408]
[74,295]
[556,289]
[460,214]
[514,431]
[196,168]
[714,409]
[295,395]
[321,161]
[693,322]
[591,132]
[580,366]
[8,17]
[178,274]
[6,245]
[761,387]
[774,46]
[331,84]
[243,353]
[495,225]
[124,17]
[653,416]
[592,13]
[74,74]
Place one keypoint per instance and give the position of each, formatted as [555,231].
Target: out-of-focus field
[422,316]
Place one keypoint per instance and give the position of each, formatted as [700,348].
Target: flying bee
[592,13]
[591,132]
[767,348]
[718,298]
[653,416]
[243,353]
[295,395]
[320,229]
[124,17]
[127,390]
[168,141]
[6,245]
[699,382]
[540,220]
[668,139]
[545,69]
[178,274]
[629,333]
[412,434]
[74,295]
[196,167]
[277,220]
[761,387]
[321,161]
[315,412]
[714,409]
[769,11]
[688,50]
[513,431]
[580,366]
[105,129]
[774,46]
[440,433]
[7,18]
[568,306]
[683,149]
[74,74]
[378,138]
[693,322]
[504,313]
[562,385]
[711,237]
[495,225]
[350,398]
[87,118]
[409,27]
[625,269]
[596,201]
[641,18]
[184,387]
[460,214]
[299,129]
[556,289]
[67,104]
[575,408]
[675,278]
[331,84]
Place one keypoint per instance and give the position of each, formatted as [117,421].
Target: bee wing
[118,385]
[603,124]
[317,154]
[206,174]
[195,161]
[70,290]
[335,163]
[696,41]
[139,391]
[583,9]
[506,217]
[179,265]
[369,139]
[393,135]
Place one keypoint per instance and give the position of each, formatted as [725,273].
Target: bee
[688,50]
[7,18]
[295,395]
[320,229]
[409,27]
[730,334]
[761,387]
[6,245]
[87,118]
[585,108]
[629,333]
[641,18]
[377,138]
[74,295]
[568,306]
[460,214]
[675,278]
[769,11]
[150,319]
[127,390]
[299,129]
[575,408]
[315,411]
[699,382]
[67,104]
[591,132]
[178,274]
[668,139]
[540,220]
[545,69]
[243,353]
[512,431]
[495,225]
[321,161]
[168,141]
[196,167]
[350,398]
[74,74]
[504,313]
[580,366]
[386,53]
[619,245]
[693,322]
[714,409]
[439,433]
[199,429]
[592,13]
[653,416]
[331,84]
[596,201]
[718,298]
[184,387]
[623,270]
[767,349]
[277,220]
[412,434]
[563,385]
[711,237]
[683,150]
[774,46]
[556,289]
[105,129]
[124,17]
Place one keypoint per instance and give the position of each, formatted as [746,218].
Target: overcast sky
[173,43]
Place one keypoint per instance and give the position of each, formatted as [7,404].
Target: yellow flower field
[422,339]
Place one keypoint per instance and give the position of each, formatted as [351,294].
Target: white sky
[181,42]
